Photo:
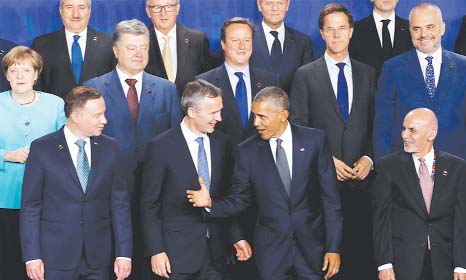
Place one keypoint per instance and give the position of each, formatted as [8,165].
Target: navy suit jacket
[231,120]
[170,223]
[58,219]
[460,45]
[57,76]
[297,51]
[159,110]
[401,88]
[5,47]
[310,217]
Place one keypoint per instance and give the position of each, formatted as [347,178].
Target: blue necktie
[342,91]
[430,77]
[82,164]
[76,58]
[276,52]
[202,165]
[242,99]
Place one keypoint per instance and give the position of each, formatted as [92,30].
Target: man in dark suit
[345,113]
[140,106]
[380,36]
[182,242]
[75,212]
[187,53]
[5,47]
[279,49]
[236,39]
[419,207]
[429,77]
[460,45]
[288,172]
[75,53]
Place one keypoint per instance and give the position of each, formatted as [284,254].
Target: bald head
[419,131]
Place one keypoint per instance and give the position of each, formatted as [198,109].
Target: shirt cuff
[460,270]
[123,258]
[372,162]
[31,261]
[385,266]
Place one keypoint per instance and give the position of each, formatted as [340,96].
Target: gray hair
[425,5]
[275,95]
[147,2]
[88,2]
[132,26]
[194,93]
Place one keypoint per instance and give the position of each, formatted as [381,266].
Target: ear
[115,51]
[284,115]
[432,135]
[191,113]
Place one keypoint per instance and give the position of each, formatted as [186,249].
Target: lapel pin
[301,150]
[94,38]
[403,28]
[259,85]
[186,40]
[2,52]
[60,147]
[445,173]
[95,143]
[451,66]
[149,92]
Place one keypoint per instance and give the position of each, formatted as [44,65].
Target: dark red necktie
[132,97]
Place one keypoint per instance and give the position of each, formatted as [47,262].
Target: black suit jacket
[5,47]
[170,223]
[460,46]
[231,119]
[193,55]
[401,221]
[57,76]
[313,103]
[365,44]
[297,51]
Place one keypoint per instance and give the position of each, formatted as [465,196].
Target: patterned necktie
[202,165]
[426,182]
[76,58]
[283,167]
[386,40]
[342,92]
[132,98]
[82,164]
[276,52]
[241,97]
[167,59]
[430,77]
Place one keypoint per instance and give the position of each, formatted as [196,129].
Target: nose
[218,116]
[274,6]
[75,12]
[19,74]
[404,134]
[103,120]
[256,121]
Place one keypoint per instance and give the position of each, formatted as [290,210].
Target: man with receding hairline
[419,207]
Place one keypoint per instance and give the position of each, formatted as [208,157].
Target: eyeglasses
[158,8]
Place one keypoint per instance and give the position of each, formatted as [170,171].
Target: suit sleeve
[382,197]
[460,46]
[372,80]
[31,205]
[459,237]
[299,99]
[175,111]
[331,202]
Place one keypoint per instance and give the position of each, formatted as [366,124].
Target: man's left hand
[122,268]
[243,250]
[331,264]
[200,198]
[459,276]
[361,168]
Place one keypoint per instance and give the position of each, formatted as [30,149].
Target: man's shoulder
[194,33]
[44,40]
[6,45]
[447,157]
[315,65]
[48,139]
[211,73]
[154,81]
[98,36]
[297,35]
[99,81]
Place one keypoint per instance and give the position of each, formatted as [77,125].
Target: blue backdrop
[21,21]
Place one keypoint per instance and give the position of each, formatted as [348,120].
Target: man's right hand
[161,265]
[387,274]
[200,198]
[344,172]
[35,270]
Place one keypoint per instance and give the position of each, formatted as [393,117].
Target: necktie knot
[200,141]
[422,160]
[341,65]
[131,82]
[166,39]
[274,34]
[385,22]
[76,38]
[429,59]
[239,75]
[279,142]
[80,143]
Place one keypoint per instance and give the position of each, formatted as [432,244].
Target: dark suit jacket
[401,222]
[59,220]
[401,88]
[313,103]
[365,44]
[159,110]
[231,119]
[5,47]
[193,55]
[170,223]
[310,218]
[297,51]
[460,46]
[57,76]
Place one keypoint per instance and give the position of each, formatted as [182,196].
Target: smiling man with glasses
[176,53]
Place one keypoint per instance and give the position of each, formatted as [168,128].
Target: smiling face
[132,53]
[22,77]
[426,28]
[269,121]
[418,132]
[237,45]
[163,20]
[204,118]
[75,15]
[273,11]
[336,32]
[90,119]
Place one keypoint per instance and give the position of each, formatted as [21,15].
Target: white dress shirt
[333,72]
[123,76]
[193,146]
[436,63]
[234,80]
[172,46]
[379,25]
[269,38]
[287,144]
[81,41]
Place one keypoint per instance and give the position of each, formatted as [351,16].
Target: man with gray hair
[75,53]
[139,107]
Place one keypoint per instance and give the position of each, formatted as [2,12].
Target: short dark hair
[238,20]
[331,9]
[275,96]
[195,91]
[77,98]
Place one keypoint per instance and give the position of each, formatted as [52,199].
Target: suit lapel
[62,50]
[156,54]
[147,95]
[323,78]
[64,157]
[90,56]
[446,79]
[216,158]
[182,46]
[229,97]
[262,48]
[441,182]
[412,181]
[357,88]
[96,157]
[183,155]
[115,93]
[413,68]
[400,28]
[300,155]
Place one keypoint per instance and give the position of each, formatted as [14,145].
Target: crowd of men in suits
[269,164]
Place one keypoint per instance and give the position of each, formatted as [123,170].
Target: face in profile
[237,45]
[163,14]
[75,15]
[205,117]
[90,118]
[336,32]
[269,121]
[426,28]
[273,11]
[418,134]
[21,76]
[132,53]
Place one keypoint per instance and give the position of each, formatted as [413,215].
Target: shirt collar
[231,71]
[429,157]
[171,33]
[71,138]
[267,28]
[70,34]
[286,136]
[437,55]
[189,135]
[378,18]
[332,62]
[123,76]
